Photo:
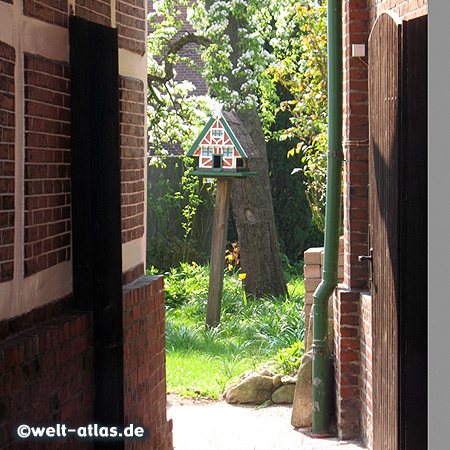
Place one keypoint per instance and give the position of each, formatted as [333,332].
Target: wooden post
[217,262]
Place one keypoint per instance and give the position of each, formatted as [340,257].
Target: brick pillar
[312,274]
[356,144]
[366,370]
[145,362]
[347,368]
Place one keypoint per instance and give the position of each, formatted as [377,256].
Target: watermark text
[93,431]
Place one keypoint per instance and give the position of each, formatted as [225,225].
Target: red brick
[349,392]
[348,331]
[359,15]
[349,344]
[348,356]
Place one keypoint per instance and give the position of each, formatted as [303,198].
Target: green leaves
[301,67]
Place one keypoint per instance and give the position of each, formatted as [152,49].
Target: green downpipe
[321,356]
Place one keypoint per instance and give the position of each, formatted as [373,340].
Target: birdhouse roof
[227,120]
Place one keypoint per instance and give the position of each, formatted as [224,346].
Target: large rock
[302,406]
[284,394]
[287,379]
[277,381]
[253,389]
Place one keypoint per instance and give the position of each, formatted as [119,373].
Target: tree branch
[173,49]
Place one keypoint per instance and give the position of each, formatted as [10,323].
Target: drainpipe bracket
[335,154]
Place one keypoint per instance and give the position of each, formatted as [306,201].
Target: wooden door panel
[384,119]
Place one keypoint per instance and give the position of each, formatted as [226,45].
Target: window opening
[207,151]
[228,152]
[217,133]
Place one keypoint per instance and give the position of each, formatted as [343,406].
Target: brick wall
[51,11]
[132,149]
[46,371]
[47,163]
[312,274]
[190,71]
[185,70]
[7,140]
[98,11]
[366,370]
[145,363]
[356,144]
[403,8]
[131,18]
[347,365]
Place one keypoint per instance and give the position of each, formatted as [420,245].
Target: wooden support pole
[217,262]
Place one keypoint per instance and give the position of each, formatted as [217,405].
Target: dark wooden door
[398,230]
[413,305]
[96,213]
[384,204]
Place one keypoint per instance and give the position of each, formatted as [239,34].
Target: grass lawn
[252,332]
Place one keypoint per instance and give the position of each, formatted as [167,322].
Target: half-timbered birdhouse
[219,150]
[223,149]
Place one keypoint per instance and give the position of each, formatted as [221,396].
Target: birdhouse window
[228,152]
[207,151]
[239,163]
[217,133]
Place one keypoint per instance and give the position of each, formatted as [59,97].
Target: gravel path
[216,425]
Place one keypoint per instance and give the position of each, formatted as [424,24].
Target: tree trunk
[251,197]
[251,201]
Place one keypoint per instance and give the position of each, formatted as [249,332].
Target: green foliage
[174,113]
[287,360]
[165,252]
[291,208]
[300,45]
[236,59]
[181,216]
[252,50]
[250,334]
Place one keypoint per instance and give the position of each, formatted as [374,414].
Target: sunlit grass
[200,361]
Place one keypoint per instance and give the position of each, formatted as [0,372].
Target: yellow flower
[242,276]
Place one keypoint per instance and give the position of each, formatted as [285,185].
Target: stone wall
[47,367]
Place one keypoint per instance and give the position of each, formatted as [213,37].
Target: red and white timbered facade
[217,148]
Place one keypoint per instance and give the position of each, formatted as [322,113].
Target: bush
[288,360]
[165,252]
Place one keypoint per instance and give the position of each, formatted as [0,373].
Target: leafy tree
[235,60]
[291,208]
[301,67]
